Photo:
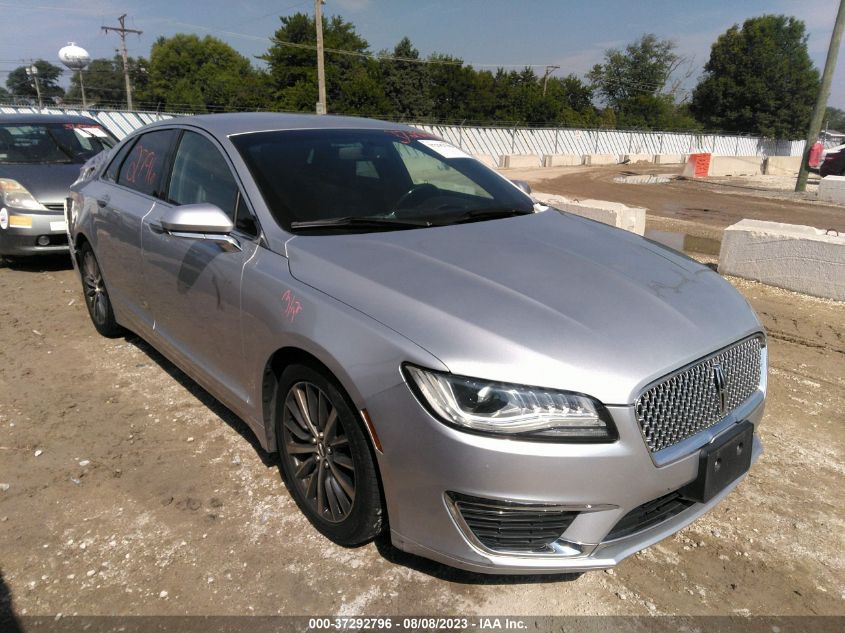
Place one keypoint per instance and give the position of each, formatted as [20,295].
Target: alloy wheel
[95,289]
[317,445]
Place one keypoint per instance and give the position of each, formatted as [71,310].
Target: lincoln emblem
[721,384]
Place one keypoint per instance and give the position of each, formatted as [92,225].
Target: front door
[194,285]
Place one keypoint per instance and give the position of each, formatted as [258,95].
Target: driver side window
[201,174]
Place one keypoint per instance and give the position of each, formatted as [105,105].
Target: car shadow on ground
[382,542]
[9,622]
[39,264]
[459,576]
[209,401]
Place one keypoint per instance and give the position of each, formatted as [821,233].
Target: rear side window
[114,166]
[145,167]
[201,174]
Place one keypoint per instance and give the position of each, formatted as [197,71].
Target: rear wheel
[326,458]
[96,296]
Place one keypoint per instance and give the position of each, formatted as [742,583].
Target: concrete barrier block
[487,159]
[783,165]
[601,159]
[832,189]
[736,166]
[800,258]
[638,158]
[511,161]
[612,213]
[562,160]
[669,159]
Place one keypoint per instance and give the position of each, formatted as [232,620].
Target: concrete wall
[783,165]
[510,161]
[736,166]
[612,213]
[832,189]
[601,159]
[562,160]
[800,258]
[669,159]
[638,158]
[488,160]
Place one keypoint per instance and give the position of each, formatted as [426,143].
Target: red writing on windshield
[405,137]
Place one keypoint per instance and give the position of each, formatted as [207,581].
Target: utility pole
[549,70]
[32,71]
[122,31]
[824,93]
[321,69]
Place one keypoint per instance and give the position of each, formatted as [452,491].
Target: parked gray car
[506,388]
[40,156]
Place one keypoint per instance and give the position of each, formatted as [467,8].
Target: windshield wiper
[486,213]
[365,222]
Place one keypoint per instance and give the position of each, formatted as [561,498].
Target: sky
[566,33]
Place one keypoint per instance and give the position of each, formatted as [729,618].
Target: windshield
[393,178]
[52,142]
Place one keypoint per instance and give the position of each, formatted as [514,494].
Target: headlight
[512,410]
[15,195]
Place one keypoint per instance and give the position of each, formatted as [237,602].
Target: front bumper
[424,459]
[20,237]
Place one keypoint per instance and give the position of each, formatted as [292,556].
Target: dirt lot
[717,202]
[130,491]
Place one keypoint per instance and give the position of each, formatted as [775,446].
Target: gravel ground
[126,489]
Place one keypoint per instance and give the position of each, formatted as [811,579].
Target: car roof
[232,123]
[46,118]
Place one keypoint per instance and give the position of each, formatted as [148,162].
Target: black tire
[320,459]
[96,295]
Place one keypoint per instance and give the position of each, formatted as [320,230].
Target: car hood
[546,299]
[48,183]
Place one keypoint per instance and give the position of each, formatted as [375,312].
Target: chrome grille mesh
[688,402]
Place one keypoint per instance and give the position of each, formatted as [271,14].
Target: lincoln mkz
[504,387]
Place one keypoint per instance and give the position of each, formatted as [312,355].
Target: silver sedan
[504,387]
[40,156]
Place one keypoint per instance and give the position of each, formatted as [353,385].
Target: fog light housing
[43,240]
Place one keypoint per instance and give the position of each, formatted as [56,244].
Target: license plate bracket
[721,464]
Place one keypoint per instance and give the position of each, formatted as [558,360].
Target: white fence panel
[496,141]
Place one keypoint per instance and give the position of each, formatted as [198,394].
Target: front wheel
[96,296]
[326,458]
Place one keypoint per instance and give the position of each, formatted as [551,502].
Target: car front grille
[513,527]
[55,206]
[689,401]
[649,514]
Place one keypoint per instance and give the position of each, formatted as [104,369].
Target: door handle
[102,202]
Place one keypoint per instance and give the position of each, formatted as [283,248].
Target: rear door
[194,285]
[126,192]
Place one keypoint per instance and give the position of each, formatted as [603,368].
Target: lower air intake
[513,527]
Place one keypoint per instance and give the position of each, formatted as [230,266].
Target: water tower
[76,58]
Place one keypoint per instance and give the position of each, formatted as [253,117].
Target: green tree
[21,85]
[406,83]
[643,68]
[104,83]
[453,90]
[351,84]
[187,72]
[635,82]
[759,79]
[835,119]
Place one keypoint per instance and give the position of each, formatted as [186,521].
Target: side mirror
[201,221]
[522,186]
